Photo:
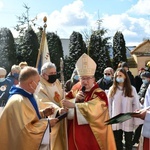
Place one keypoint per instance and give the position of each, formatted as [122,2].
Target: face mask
[145,81]
[76,77]
[2,79]
[16,75]
[107,78]
[52,78]
[37,90]
[120,80]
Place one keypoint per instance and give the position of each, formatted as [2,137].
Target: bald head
[27,73]
[29,78]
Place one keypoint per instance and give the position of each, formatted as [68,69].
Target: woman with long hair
[123,98]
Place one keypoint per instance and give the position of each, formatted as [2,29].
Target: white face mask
[2,79]
[37,90]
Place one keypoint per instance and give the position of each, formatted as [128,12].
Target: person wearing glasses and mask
[88,108]
[51,92]
[51,88]
[107,80]
[23,126]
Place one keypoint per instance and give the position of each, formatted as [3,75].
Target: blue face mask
[16,75]
[120,80]
[76,77]
[145,81]
[107,78]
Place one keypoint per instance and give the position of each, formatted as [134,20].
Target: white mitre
[86,66]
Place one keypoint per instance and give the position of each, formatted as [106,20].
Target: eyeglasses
[86,78]
[52,73]
[107,74]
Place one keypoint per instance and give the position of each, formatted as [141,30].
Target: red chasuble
[146,144]
[93,135]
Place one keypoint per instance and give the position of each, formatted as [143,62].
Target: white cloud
[142,7]
[73,17]
[70,18]
[14,32]
[1,4]
[133,29]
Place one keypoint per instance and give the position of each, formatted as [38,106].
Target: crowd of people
[33,103]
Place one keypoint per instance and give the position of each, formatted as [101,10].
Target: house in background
[141,54]
[65,45]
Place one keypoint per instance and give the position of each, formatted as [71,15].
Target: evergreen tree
[7,49]
[76,48]
[119,49]
[97,53]
[99,50]
[28,48]
[67,71]
[55,49]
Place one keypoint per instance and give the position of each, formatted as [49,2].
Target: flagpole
[42,41]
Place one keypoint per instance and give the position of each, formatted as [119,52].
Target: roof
[144,47]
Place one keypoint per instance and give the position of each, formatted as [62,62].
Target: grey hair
[46,66]
[15,68]
[109,69]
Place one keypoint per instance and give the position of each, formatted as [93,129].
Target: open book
[120,118]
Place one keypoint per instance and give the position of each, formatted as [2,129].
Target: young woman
[123,98]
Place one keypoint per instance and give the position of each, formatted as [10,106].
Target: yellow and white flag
[43,55]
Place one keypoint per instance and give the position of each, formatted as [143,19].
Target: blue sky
[131,17]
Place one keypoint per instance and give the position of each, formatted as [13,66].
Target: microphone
[83,89]
[81,100]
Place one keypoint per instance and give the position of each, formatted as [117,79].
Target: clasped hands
[79,98]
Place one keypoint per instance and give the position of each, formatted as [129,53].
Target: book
[62,116]
[120,118]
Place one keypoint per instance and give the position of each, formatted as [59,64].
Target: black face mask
[52,78]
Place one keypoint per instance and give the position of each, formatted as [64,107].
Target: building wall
[65,45]
[134,71]
[141,61]
[141,54]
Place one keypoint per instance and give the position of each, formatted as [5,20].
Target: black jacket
[131,77]
[103,85]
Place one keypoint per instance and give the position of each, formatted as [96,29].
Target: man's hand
[48,111]
[141,114]
[53,121]
[68,104]
[80,97]
[63,110]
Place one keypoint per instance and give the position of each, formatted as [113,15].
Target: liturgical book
[120,118]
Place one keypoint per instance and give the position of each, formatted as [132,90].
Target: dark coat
[69,84]
[131,77]
[103,85]
[138,82]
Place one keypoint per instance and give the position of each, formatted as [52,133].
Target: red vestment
[146,144]
[93,135]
